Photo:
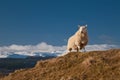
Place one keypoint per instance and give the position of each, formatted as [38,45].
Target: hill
[94,65]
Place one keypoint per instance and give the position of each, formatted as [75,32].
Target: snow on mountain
[43,49]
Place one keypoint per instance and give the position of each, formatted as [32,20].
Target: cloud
[43,49]
[101,47]
[108,39]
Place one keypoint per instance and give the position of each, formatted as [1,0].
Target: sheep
[79,40]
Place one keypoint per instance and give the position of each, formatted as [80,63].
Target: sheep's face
[83,29]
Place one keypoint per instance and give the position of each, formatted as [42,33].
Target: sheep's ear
[86,25]
[78,26]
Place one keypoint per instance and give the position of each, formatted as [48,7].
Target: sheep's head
[82,29]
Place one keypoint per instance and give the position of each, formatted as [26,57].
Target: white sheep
[79,40]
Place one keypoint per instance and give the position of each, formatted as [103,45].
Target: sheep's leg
[78,48]
[84,49]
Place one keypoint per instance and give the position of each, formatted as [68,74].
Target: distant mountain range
[14,55]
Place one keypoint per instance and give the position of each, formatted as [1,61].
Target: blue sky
[25,22]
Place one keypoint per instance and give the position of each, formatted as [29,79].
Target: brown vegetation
[95,65]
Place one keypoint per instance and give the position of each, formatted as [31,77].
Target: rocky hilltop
[94,65]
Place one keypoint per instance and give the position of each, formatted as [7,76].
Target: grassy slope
[95,65]
[8,65]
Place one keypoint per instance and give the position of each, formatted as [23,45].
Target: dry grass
[95,65]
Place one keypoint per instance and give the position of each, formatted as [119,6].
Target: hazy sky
[25,22]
